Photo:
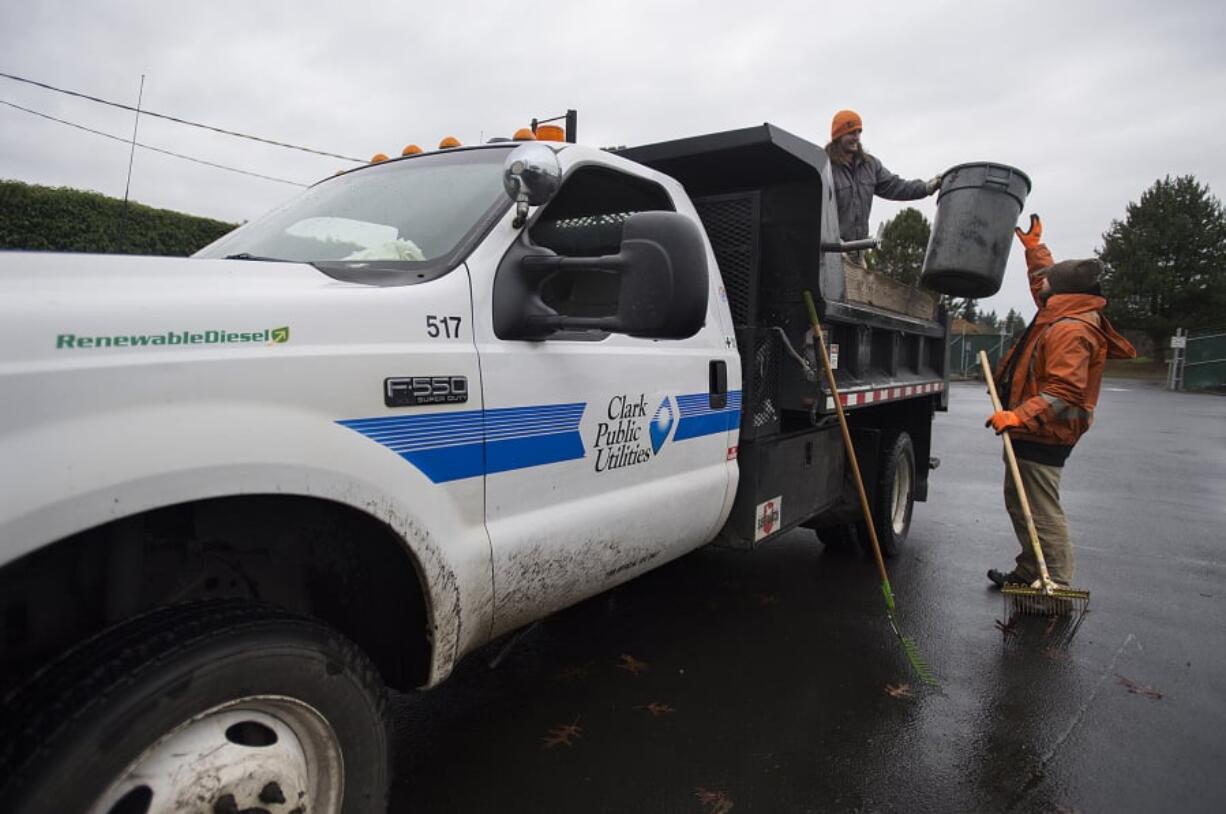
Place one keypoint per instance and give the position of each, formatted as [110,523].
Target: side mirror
[664,277]
[530,176]
[662,281]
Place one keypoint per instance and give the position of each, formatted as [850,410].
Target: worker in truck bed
[858,176]
[1050,381]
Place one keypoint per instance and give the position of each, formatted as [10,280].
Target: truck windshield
[418,210]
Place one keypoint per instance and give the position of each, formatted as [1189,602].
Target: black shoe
[1000,578]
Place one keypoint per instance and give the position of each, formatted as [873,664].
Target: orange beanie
[845,121]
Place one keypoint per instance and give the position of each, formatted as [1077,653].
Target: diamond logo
[661,425]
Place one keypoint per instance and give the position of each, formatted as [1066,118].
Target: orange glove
[1003,420]
[1033,236]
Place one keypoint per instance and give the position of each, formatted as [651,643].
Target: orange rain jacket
[1058,371]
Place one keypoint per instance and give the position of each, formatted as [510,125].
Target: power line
[155,149]
[178,120]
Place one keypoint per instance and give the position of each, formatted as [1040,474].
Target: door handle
[718,391]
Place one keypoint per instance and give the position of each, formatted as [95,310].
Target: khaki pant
[1042,485]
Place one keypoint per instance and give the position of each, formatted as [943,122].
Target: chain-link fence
[963,358]
[1198,360]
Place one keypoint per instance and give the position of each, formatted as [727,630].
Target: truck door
[606,455]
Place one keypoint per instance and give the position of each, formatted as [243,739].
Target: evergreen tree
[1013,324]
[904,240]
[1167,261]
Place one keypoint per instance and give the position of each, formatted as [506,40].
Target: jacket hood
[1088,308]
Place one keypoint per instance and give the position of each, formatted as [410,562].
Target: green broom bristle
[913,655]
[917,661]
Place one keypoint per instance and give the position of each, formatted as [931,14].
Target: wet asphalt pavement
[769,681]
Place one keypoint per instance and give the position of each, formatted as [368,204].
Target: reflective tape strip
[1057,404]
[866,396]
[1063,409]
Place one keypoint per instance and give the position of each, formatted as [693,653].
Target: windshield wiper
[250,256]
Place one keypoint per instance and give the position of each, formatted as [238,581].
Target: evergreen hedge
[59,219]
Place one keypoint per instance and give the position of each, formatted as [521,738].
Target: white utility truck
[424,403]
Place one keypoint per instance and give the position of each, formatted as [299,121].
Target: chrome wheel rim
[901,496]
[269,752]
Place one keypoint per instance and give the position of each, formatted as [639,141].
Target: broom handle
[820,340]
[1017,476]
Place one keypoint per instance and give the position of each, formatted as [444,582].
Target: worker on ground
[858,176]
[1049,383]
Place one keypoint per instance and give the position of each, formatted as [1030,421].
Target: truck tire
[895,496]
[217,707]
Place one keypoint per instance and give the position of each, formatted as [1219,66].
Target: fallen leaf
[657,710]
[562,735]
[1007,628]
[1134,687]
[898,690]
[632,665]
[1055,653]
[716,802]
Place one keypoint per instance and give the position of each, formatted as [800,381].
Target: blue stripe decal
[698,419]
[454,446]
[444,464]
[521,453]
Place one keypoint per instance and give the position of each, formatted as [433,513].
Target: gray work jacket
[854,187]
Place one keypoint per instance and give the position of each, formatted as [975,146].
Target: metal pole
[123,220]
[1181,357]
[1170,366]
[1179,343]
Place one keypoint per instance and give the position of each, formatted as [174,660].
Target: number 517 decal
[437,326]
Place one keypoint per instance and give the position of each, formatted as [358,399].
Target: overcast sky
[1093,100]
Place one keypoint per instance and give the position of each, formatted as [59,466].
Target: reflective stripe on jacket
[1058,372]
[856,183]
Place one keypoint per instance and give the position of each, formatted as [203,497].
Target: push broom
[1042,597]
[908,644]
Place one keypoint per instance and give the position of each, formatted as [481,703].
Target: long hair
[831,150]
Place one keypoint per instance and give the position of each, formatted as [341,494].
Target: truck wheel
[216,707]
[895,496]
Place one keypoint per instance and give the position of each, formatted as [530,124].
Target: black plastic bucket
[977,208]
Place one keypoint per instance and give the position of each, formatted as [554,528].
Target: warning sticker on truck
[768,518]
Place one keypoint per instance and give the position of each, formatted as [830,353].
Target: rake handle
[819,339]
[1048,586]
